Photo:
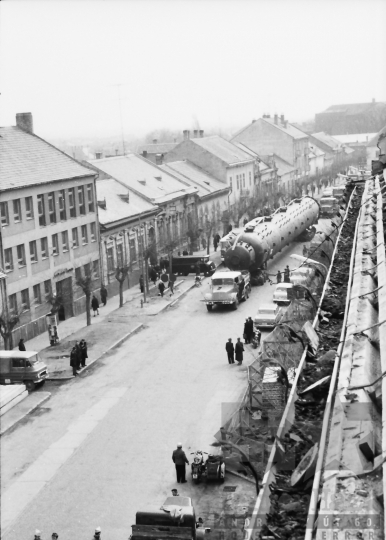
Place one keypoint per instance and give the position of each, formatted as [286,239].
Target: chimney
[201,133]
[24,121]
[144,153]
[102,204]
[268,116]
[195,132]
[98,155]
[282,119]
[159,159]
[186,133]
[155,141]
[275,118]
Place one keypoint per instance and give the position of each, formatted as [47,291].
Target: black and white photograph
[192,269]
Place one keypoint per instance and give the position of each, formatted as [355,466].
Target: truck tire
[209,308]
[30,385]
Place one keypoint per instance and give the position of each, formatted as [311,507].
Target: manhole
[230,489]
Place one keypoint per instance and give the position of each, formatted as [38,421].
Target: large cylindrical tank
[263,237]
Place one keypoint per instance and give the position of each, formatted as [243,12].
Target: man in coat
[74,360]
[179,459]
[103,295]
[95,304]
[250,330]
[239,349]
[229,347]
[83,352]
[278,277]
[21,345]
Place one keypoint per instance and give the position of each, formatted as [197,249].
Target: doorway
[64,292]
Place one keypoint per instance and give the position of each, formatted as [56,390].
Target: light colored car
[267,316]
[282,294]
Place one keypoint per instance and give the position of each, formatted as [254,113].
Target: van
[22,367]
[187,264]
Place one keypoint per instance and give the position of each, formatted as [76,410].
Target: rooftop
[314,149]
[353,108]
[288,128]
[192,175]
[329,140]
[224,150]
[27,160]
[117,208]
[142,176]
[262,165]
[352,138]
[159,148]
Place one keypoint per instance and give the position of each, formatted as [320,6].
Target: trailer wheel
[209,308]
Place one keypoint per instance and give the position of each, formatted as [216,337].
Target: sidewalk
[109,329]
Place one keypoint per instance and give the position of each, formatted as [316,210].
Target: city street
[101,447]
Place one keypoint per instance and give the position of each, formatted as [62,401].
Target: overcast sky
[185,63]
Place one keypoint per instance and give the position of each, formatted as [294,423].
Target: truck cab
[22,367]
[228,288]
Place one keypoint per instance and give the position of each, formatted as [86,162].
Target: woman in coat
[239,349]
[74,360]
[95,305]
[83,352]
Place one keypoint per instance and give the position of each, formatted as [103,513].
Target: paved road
[100,448]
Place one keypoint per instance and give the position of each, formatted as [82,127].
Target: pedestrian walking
[79,355]
[103,295]
[230,349]
[286,274]
[179,459]
[161,287]
[239,349]
[153,275]
[21,345]
[141,283]
[172,279]
[95,304]
[250,330]
[278,277]
[74,361]
[97,534]
[83,352]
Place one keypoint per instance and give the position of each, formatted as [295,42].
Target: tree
[121,273]
[8,321]
[84,280]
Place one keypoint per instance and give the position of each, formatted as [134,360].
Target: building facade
[49,227]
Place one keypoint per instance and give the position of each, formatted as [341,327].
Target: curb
[116,344]
[24,415]
[173,302]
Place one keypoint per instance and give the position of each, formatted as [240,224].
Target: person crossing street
[179,459]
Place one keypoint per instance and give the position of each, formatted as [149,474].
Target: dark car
[187,265]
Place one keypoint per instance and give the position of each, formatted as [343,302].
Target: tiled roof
[329,140]
[315,149]
[224,150]
[354,108]
[116,208]
[262,165]
[144,177]
[161,148]
[291,130]
[194,176]
[26,160]
[283,167]
[352,138]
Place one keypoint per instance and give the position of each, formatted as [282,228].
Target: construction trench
[310,421]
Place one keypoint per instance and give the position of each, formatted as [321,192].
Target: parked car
[267,316]
[22,367]
[283,293]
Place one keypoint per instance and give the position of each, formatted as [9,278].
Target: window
[75,239]
[230,183]
[250,178]
[37,294]
[47,289]
[29,208]
[65,241]
[62,205]
[90,197]
[41,211]
[21,255]
[93,232]
[51,207]
[78,275]
[84,235]
[18,363]
[110,260]
[95,269]
[71,202]
[16,211]
[44,247]
[55,244]
[119,254]
[25,300]
[8,260]
[133,251]
[237,180]
[82,206]
[243,180]
[87,269]
[12,302]
[33,252]
[4,213]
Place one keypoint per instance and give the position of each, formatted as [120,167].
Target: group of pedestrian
[55,536]
[233,351]
[248,330]
[78,357]
[286,274]
[160,280]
